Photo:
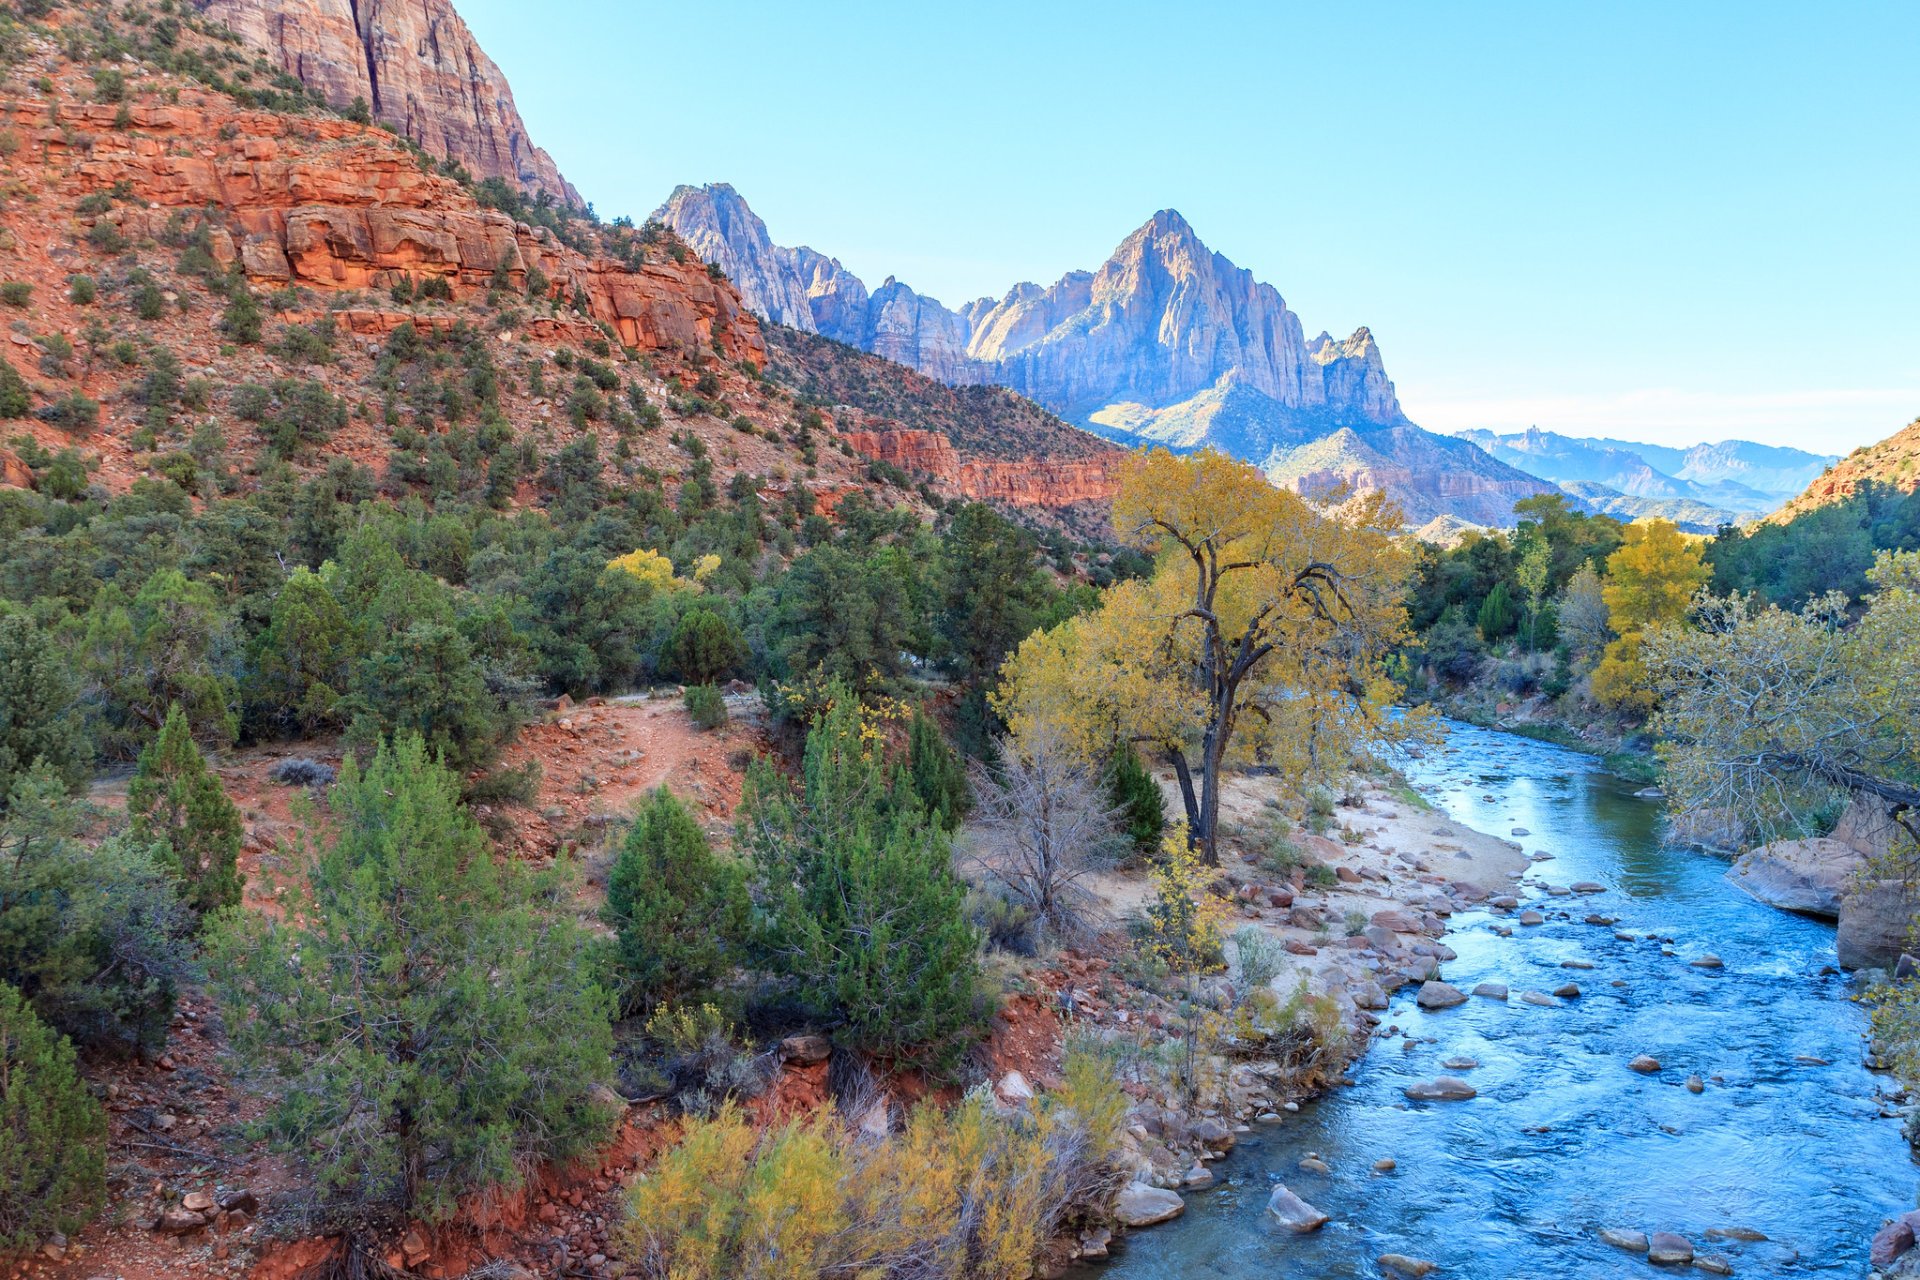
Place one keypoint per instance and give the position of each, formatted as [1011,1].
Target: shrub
[1183,919]
[72,412]
[39,711]
[704,647]
[242,319]
[706,706]
[14,400]
[92,935]
[1135,794]
[961,1191]
[938,777]
[81,290]
[298,771]
[180,809]
[16,293]
[415,948]
[865,915]
[678,911]
[1259,955]
[52,1133]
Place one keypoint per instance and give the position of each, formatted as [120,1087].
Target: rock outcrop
[333,205]
[1890,462]
[1841,877]
[1037,482]
[418,68]
[1166,343]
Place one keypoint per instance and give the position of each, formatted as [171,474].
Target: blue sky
[1659,221]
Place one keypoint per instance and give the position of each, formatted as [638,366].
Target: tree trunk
[1178,760]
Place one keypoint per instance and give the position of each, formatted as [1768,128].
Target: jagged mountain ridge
[417,66]
[1167,342]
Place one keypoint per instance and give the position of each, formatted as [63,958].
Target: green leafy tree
[844,615]
[1139,807]
[864,910]
[160,650]
[678,911]
[704,647]
[1498,616]
[39,707]
[425,680]
[992,591]
[427,1014]
[939,779]
[53,1134]
[180,808]
[303,661]
[93,937]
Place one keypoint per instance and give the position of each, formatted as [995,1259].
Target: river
[1564,1139]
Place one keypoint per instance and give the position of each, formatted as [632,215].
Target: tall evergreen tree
[427,1011]
[180,808]
[52,1133]
[865,911]
[938,777]
[39,712]
[679,912]
[1140,808]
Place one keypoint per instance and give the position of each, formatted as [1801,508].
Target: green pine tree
[679,912]
[1137,796]
[53,1135]
[704,647]
[39,707]
[939,779]
[428,1014]
[180,808]
[865,912]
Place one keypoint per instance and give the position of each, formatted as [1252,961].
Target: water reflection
[1564,1138]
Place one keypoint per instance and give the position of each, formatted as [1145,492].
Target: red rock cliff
[417,66]
[1036,482]
[325,203]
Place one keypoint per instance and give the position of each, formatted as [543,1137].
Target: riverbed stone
[1294,1214]
[1460,1064]
[1385,1165]
[1441,1089]
[1621,1238]
[1568,991]
[1587,886]
[1314,1164]
[1707,961]
[1532,918]
[1142,1205]
[1696,1085]
[1398,921]
[1491,990]
[1439,995]
[1646,1064]
[1715,1264]
[1891,1242]
[1400,1264]
[1540,998]
[1669,1249]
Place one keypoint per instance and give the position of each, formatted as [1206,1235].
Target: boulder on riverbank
[1807,876]
[1140,1204]
[1833,877]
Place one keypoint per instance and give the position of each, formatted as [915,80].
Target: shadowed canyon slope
[1167,342]
[417,66]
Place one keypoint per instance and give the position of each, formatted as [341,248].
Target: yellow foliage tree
[1184,917]
[647,565]
[1651,581]
[1260,635]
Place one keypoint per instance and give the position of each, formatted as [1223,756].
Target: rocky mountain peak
[418,68]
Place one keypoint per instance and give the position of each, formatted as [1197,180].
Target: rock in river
[1439,995]
[1142,1205]
[1399,1264]
[1492,990]
[1294,1213]
[1619,1238]
[1667,1248]
[1441,1089]
[1646,1064]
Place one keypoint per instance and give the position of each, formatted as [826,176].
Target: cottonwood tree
[1259,636]
[1651,581]
[1043,822]
[1767,713]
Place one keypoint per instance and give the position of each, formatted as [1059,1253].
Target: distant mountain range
[1167,342]
[1170,343]
[1701,487]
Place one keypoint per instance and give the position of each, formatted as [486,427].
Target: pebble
[1696,1085]
[1386,1165]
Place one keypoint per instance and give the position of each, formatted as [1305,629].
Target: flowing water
[1564,1139]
